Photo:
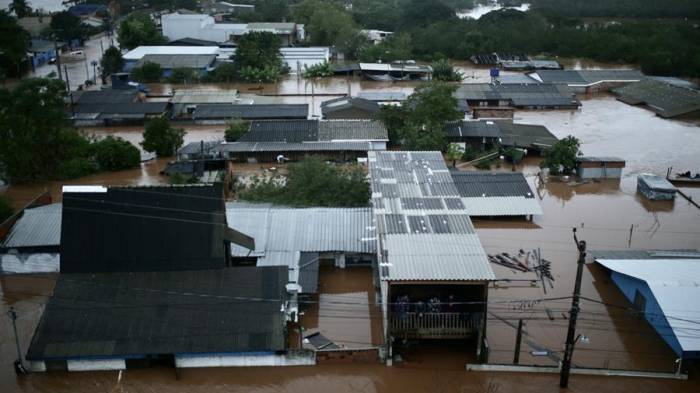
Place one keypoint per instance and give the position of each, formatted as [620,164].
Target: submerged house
[134,260]
[109,107]
[667,100]
[587,81]
[432,269]
[496,194]
[478,134]
[656,188]
[396,71]
[349,108]
[588,167]
[663,288]
[485,97]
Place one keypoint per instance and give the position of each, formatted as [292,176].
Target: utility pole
[518,339]
[65,68]
[573,315]
[19,366]
[58,57]
[87,70]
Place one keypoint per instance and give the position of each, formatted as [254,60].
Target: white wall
[202,27]
[30,263]
[96,365]
[243,361]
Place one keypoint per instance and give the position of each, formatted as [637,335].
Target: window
[640,302]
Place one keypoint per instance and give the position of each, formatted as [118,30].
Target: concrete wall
[599,173]
[652,313]
[365,355]
[96,365]
[243,360]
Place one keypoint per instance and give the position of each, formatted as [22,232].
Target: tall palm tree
[20,8]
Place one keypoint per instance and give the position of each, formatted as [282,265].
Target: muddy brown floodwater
[602,212]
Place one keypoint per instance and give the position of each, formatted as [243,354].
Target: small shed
[588,167]
[655,188]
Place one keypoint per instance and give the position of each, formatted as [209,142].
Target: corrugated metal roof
[251,112]
[105,96]
[501,206]
[531,94]
[589,77]
[472,129]
[141,51]
[205,97]
[675,284]
[599,159]
[290,131]
[645,254]
[525,135]
[665,99]
[125,108]
[491,184]
[342,103]
[383,96]
[440,257]
[424,233]
[251,147]
[38,227]
[339,130]
[655,182]
[178,61]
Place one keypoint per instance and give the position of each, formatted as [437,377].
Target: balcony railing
[435,325]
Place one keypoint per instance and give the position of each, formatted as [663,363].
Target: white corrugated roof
[501,206]
[675,284]
[39,226]
[141,51]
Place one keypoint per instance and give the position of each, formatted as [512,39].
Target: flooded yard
[608,215]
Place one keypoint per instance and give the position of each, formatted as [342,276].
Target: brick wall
[370,355]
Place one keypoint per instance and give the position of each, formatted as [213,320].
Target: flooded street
[603,213]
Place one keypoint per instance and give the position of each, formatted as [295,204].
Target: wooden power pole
[573,315]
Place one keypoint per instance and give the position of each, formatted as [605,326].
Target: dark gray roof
[252,112]
[599,159]
[374,130]
[281,147]
[472,129]
[644,254]
[344,103]
[191,42]
[126,108]
[196,147]
[525,135]
[290,131]
[308,271]
[123,314]
[178,61]
[533,94]
[665,99]
[491,184]
[106,96]
[159,228]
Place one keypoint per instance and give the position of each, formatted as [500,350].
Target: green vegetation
[160,138]
[396,47]
[619,8]
[318,70]
[225,72]
[112,61]
[179,178]
[443,71]
[236,128]
[560,159]
[183,75]
[6,209]
[258,58]
[454,153]
[114,154]
[312,182]
[14,44]
[20,8]
[419,123]
[39,144]
[147,72]
[138,29]
[67,27]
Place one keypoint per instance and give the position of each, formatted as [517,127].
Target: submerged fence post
[518,338]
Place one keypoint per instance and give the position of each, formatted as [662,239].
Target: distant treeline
[619,8]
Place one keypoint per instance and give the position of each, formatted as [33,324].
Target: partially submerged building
[589,167]
[301,238]
[496,194]
[496,58]
[384,97]
[663,287]
[477,134]
[396,71]
[200,59]
[428,253]
[529,65]
[656,188]
[109,107]
[485,96]
[667,100]
[31,243]
[267,140]
[349,108]
[587,81]
[533,137]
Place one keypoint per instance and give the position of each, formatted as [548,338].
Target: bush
[561,158]
[162,139]
[443,71]
[148,72]
[76,167]
[225,72]
[319,70]
[114,154]
[312,182]
[236,128]
[6,209]
[179,178]
[183,75]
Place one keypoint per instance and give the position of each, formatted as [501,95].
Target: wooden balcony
[437,325]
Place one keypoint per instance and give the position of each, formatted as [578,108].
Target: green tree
[236,128]
[161,138]
[225,72]
[454,153]
[36,140]
[258,57]
[183,75]
[443,71]
[139,29]
[14,44]
[112,61]
[67,27]
[396,47]
[561,158]
[318,70]
[312,182]
[147,72]
[20,8]
[433,102]
[114,154]
[6,208]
